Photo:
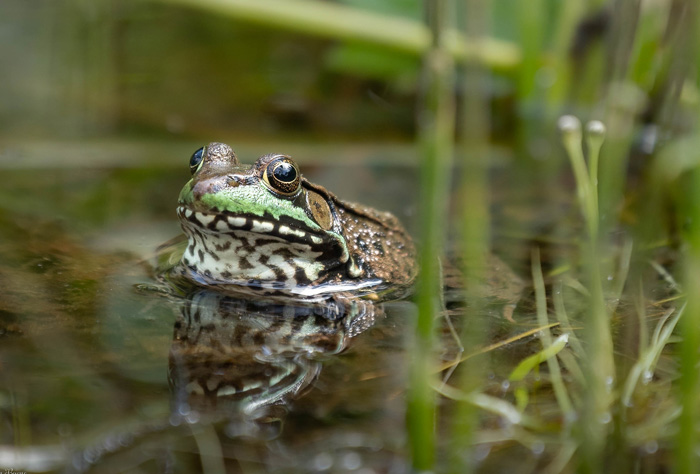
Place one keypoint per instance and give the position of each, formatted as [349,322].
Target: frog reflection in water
[276,270]
[233,353]
[265,229]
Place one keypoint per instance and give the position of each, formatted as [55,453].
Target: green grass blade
[528,364]
[542,319]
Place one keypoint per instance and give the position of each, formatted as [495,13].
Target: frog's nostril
[234,180]
[204,187]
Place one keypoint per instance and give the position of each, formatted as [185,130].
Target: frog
[265,228]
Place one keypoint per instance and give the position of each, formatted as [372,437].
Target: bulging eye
[283,176]
[196,160]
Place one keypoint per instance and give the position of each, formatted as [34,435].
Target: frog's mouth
[284,228]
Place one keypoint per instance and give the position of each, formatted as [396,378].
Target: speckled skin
[378,242]
[243,232]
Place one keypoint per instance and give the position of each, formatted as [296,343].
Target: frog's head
[261,225]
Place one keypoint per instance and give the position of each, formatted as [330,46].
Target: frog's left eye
[283,176]
[196,160]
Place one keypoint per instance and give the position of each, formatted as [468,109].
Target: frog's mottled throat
[266,226]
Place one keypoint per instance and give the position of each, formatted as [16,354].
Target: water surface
[104,369]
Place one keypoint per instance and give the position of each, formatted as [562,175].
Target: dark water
[105,370]
[101,370]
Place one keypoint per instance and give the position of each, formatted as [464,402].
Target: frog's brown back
[378,242]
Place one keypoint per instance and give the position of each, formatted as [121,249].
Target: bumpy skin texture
[378,242]
[247,227]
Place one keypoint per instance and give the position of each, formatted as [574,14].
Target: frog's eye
[196,160]
[283,176]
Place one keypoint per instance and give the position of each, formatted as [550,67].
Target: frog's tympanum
[265,227]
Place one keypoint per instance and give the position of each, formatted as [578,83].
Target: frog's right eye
[282,175]
[197,159]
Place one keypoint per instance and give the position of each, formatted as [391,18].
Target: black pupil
[285,172]
[196,158]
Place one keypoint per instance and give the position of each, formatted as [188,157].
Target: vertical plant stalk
[436,131]
[600,366]
[623,103]
[473,207]
[474,155]
[532,19]
[570,12]
[687,438]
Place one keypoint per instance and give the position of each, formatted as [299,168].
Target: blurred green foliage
[221,69]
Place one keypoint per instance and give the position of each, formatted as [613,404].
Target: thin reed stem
[689,383]
[600,369]
[473,205]
[436,125]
